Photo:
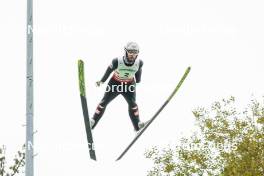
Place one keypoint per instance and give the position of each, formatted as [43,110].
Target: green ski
[156,114]
[85,110]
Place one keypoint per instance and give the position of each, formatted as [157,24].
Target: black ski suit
[114,89]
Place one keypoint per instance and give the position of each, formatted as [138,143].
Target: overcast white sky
[221,40]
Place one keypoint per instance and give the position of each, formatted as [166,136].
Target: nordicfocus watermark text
[123,87]
[198,146]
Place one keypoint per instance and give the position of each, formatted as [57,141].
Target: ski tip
[188,70]
[80,61]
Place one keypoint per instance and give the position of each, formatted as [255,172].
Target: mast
[29,92]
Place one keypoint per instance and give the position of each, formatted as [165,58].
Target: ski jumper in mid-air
[127,72]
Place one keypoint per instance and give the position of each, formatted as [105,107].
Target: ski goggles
[132,51]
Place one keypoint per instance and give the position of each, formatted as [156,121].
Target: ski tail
[85,110]
[157,113]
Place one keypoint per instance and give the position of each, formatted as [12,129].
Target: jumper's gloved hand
[99,83]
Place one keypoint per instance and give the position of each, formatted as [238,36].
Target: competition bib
[124,72]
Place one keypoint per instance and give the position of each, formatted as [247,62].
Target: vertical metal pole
[29,94]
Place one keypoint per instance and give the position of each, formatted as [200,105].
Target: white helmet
[131,47]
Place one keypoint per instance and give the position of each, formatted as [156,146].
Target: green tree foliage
[18,164]
[227,143]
